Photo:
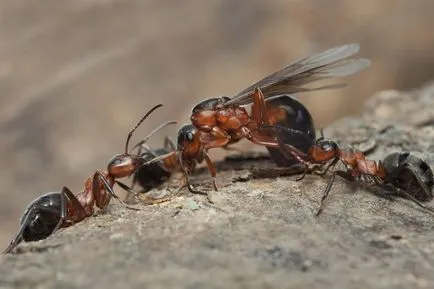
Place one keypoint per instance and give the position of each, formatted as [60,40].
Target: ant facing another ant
[401,172]
[218,122]
[52,211]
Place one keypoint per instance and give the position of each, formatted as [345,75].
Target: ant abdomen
[42,217]
[287,111]
[406,171]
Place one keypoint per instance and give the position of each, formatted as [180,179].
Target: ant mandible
[55,210]
[218,122]
[402,173]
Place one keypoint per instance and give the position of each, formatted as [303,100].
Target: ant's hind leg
[259,108]
[68,195]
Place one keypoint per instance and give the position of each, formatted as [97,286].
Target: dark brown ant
[408,172]
[153,174]
[218,122]
[53,211]
[402,173]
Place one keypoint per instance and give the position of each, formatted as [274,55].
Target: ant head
[188,142]
[123,165]
[325,150]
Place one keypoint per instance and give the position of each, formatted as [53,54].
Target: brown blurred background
[76,75]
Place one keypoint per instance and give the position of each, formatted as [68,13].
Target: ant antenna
[321,138]
[161,126]
[130,134]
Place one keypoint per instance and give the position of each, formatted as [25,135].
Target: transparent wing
[292,78]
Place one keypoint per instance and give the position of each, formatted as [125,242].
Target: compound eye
[190,136]
[327,146]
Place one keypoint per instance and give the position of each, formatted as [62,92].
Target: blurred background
[75,76]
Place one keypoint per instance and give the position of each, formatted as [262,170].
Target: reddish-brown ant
[402,173]
[218,122]
[55,210]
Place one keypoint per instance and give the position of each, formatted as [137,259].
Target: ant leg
[217,138]
[259,108]
[19,236]
[66,193]
[321,130]
[192,190]
[258,138]
[75,203]
[211,169]
[147,149]
[330,165]
[409,196]
[290,151]
[326,192]
[169,144]
[95,189]
[303,175]
[136,194]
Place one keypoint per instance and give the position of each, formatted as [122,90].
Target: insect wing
[292,78]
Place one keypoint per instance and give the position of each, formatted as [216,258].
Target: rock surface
[259,232]
[76,75]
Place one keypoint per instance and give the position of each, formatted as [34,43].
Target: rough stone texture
[260,232]
[75,75]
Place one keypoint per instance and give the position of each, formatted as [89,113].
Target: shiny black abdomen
[297,118]
[43,215]
[402,168]
[153,175]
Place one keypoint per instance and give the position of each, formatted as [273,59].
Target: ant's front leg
[67,195]
[136,194]
[344,174]
[96,191]
[193,190]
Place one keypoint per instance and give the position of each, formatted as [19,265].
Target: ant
[52,211]
[219,122]
[154,173]
[409,172]
[402,173]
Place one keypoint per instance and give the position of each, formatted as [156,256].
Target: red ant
[55,210]
[218,122]
[403,173]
